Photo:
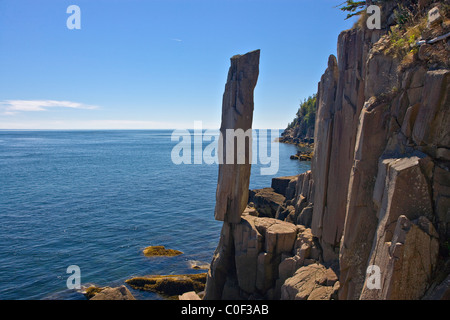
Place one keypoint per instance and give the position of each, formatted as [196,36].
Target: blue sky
[152,64]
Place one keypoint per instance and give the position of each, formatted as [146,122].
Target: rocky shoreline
[305,148]
[377,197]
[169,287]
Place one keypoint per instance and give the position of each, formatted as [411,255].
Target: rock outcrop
[254,255]
[407,260]
[191,295]
[169,285]
[312,282]
[381,134]
[377,198]
[267,201]
[301,130]
[227,274]
[119,293]
[237,114]
[160,251]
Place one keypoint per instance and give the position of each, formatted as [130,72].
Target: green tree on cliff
[305,117]
[355,7]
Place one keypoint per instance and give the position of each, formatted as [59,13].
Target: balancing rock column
[234,177]
[237,117]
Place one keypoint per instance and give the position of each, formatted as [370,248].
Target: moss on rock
[169,285]
[153,251]
[92,291]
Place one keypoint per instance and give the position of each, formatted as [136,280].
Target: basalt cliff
[371,220]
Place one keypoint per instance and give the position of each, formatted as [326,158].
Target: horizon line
[122,129]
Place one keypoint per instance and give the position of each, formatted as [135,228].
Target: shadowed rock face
[381,165]
[237,113]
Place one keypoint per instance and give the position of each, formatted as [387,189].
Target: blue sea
[95,199]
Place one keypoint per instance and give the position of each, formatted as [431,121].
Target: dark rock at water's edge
[169,286]
[119,293]
[303,156]
[160,251]
[198,265]
[91,291]
[305,150]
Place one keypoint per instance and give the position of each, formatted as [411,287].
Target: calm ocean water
[95,199]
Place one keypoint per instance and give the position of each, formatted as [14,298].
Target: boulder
[169,285]
[280,184]
[266,201]
[198,265]
[119,293]
[434,17]
[158,251]
[191,295]
[310,283]
[92,291]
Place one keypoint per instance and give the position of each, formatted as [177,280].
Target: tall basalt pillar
[235,153]
[234,175]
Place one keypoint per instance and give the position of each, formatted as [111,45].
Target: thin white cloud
[10,107]
[177,40]
[95,124]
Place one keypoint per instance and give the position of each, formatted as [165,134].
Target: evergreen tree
[354,7]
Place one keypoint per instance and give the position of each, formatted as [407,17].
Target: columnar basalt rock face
[405,179]
[407,260]
[381,153]
[246,261]
[371,140]
[378,193]
[323,130]
[237,114]
[401,190]
[237,235]
[340,101]
[280,185]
